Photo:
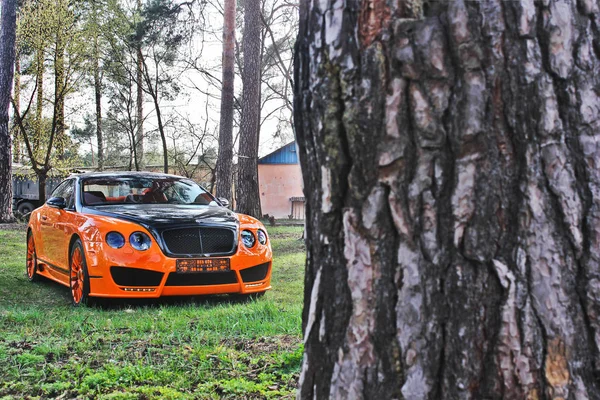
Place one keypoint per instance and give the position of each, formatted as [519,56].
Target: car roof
[127,174]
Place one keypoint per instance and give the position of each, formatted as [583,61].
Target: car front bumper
[128,273]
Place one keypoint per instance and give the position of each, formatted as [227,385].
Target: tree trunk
[39,106]
[450,156]
[139,135]
[7,60]
[98,97]
[161,130]
[60,93]
[17,97]
[42,177]
[225,157]
[248,196]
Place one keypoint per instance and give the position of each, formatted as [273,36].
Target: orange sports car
[142,235]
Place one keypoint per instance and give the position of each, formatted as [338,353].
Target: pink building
[280,182]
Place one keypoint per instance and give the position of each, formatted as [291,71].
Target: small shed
[280,183]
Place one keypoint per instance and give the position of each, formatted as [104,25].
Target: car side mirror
[57,202]
[224,202]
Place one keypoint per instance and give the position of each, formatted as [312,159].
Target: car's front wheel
[79,278]
[32,273]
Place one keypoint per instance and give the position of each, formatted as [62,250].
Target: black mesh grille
[201,279]
[199,240]
[124,276]
[217,240]
[254,274]
[183,241]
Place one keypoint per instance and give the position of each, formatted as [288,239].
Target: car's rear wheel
[31,264]
[79,278]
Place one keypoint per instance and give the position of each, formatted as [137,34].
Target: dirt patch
[263,345]
[16,226]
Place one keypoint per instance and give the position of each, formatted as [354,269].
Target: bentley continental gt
[145,235]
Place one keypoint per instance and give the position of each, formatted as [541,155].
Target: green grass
[174,348]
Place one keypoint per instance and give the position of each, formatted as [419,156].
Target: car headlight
[248,239]
[140,241]
[262,237]
[115,240]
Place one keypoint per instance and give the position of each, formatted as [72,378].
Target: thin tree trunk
[39,106]
[60,92]
[161,130]
[7,63]
[98,97]
[17,97]
[225,157]
[139,135]
[450,156]
[92,151]
[42,177]
[247,191]
[153,92]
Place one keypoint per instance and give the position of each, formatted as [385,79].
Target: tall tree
[8,29]
[62,22]
[17,96]
[225,158]
[94,32]
[450,155]
[162,30]
[50,28]
[139,134]
[98,101]
[247,191]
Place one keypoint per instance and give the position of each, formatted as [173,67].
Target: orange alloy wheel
[79,280]
[31,259]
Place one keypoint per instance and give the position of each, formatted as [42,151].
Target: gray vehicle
[25,192]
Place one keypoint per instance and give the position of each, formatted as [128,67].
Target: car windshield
[144,190]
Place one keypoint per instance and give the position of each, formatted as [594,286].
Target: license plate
[204,265]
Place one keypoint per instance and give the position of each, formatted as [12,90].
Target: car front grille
[188,241]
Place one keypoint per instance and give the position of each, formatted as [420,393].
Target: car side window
[57,192]
[66,190]
[69,195]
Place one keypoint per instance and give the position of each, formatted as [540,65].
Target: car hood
[158,216]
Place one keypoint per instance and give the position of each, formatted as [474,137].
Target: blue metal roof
[284,155]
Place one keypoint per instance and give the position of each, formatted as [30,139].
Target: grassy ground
[200,348]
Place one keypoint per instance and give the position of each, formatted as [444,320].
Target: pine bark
[247,191]
[450,156]
[225,157]
[7,59]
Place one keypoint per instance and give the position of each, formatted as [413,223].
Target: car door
[56,227]
[48,216]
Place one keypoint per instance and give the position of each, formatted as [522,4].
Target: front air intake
[131,277]
[254,274]
[201,279]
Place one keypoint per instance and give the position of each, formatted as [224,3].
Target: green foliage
[49,38]
[179,348]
